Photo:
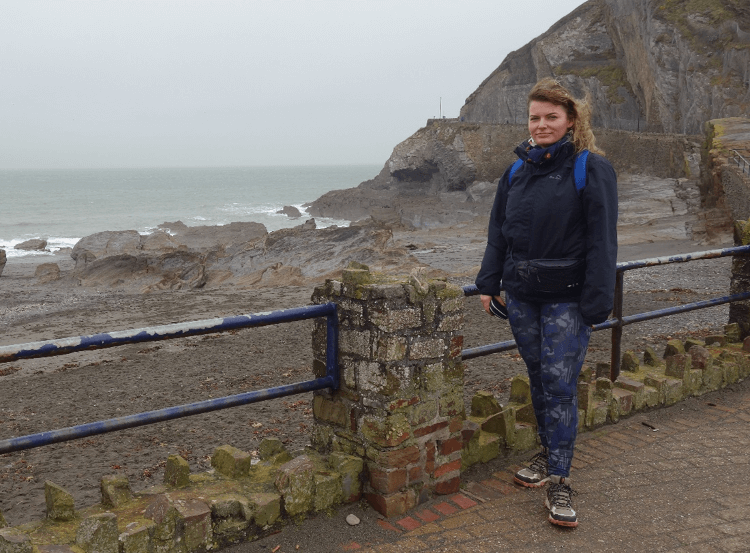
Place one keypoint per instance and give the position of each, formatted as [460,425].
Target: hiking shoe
[557,501]
[535,475]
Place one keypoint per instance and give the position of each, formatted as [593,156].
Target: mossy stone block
[263,508]
[60,503]
[597,413]
[524,437]
[658,382]
[489,446]
[349,467]
[677,365]
[177,472]
[13,540]
[690,342]
[629,362]
[520,389]
[136,538]
[693,381]
[732,333]
[730,374]
[231,462]
[269,448]
[328,490]
[195,528]
[673,391]
[484,404]
[650,357]
[296,483]
[712,378]
[674,347]
[651,396]
[99,534]
[165,516]
[115,490]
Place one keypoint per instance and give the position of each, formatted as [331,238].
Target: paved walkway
[674,480]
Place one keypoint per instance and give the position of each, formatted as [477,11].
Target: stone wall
[736,187]
[400,405]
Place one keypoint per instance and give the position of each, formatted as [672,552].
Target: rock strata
[243,255]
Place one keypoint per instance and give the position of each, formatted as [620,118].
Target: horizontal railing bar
[640,317]
[164,332]
[682,258]
[161,415]
[481,351]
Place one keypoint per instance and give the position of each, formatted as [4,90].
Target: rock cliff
[662,68]
[648,65]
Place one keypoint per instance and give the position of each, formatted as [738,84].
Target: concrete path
[673,480]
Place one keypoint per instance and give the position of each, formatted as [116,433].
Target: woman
[552,246]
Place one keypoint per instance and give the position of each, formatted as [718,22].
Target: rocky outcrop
[35,244]
[290,211]
[409,192]
[660,67]
[726,171]
[195,257]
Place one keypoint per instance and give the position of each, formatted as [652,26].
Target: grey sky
[212,83]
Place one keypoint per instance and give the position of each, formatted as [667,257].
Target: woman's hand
[486,302]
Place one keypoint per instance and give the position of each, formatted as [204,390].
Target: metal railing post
[614,368]
[332,348]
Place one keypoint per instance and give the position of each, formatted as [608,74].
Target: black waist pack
[547,278]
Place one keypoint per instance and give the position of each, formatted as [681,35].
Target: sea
[64,205]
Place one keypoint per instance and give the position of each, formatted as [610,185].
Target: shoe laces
[540,463]
[560,494]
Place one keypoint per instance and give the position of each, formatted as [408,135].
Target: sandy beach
[57,392]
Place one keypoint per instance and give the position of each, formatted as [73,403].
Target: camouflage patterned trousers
[552,339]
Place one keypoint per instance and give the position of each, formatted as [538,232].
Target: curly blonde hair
[550,90]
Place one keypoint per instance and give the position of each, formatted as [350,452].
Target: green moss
[715,12]
[612,76]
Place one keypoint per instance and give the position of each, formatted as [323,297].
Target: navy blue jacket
[540,215]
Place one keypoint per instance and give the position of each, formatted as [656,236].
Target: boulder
[36,244]
[290,211]
[105,244]
[47,272]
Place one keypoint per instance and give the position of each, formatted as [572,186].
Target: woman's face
[548,122]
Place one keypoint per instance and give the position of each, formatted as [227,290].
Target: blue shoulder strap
[513,169]
[579,171]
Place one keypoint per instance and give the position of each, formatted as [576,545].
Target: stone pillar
[739,311]
[401,402]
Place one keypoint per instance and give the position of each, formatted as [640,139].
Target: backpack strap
[579,171]
[513,169]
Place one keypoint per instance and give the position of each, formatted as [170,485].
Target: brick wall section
[400,405]
[739,312]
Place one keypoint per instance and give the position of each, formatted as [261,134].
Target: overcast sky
[217,83]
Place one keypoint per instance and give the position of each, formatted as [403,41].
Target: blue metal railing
[111,339]
[618,322]
[331,380]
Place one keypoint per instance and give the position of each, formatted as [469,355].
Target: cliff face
[648,65]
